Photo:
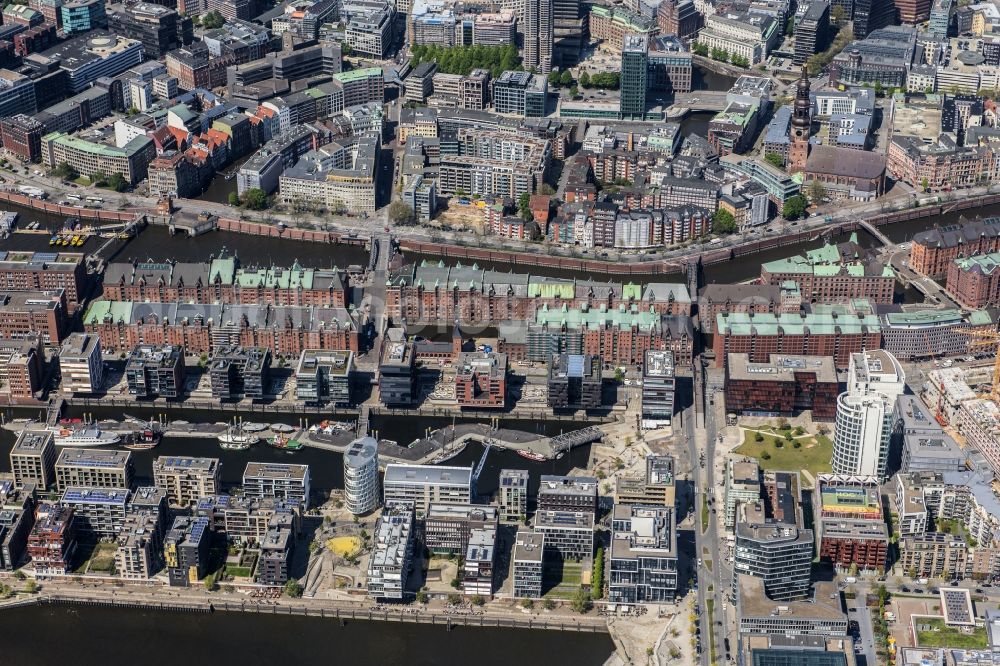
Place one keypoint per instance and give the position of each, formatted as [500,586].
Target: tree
[478,600]
[757,437]
[401,213]
[765,456]
[31,587]
[774,159]
[817,191]
[293,589]
[454,599]
[723,222]
[98,178]
[527,604]
[422,596]
[574,91]
[837,14]
[553,78]
[209,582]
[566,79]
[545,188]
[924,184]
[581,602]
[256,199]
[117,182]
[597,576]
[524,206]
[234,199]
[585,80]
[66,171]
[212,20]
[794,208]
[790,26]
[701,49]
[548,604]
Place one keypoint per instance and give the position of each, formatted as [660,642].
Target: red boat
[67,422]
[531,455]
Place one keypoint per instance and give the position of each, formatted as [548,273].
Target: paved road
[864,618]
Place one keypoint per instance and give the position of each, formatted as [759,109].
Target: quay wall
[99,214]
[341,613]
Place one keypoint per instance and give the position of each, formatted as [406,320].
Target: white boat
[281,427]
[85,437]
[254,427]
[234,441]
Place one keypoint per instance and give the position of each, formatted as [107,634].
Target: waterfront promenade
[495,615]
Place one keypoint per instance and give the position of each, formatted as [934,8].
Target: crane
[986,339]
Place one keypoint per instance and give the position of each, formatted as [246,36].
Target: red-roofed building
[163,139]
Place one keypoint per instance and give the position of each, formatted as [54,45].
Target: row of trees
[464,59]
[115,181]
[254,199]
[722,55]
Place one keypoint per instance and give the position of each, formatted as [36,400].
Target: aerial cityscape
[629,331]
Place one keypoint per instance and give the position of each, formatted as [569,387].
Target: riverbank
[338,611]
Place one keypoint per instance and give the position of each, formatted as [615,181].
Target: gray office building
[520,93]
[33,458]
[238,372]
[513,494]
[424,485]
[643,563]
[569,535]
[397,372]
[658,388]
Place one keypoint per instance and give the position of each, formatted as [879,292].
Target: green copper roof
[283,278]
[101,310]
[632,291]
[358,74]
[223,269]
[593,319]
[553,289]
[986,263]
[859,317]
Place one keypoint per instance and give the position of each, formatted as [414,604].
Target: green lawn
[237,572]
[711,630]
[103,558]
[562,580]
[941,636]
[813,455]
[704,514]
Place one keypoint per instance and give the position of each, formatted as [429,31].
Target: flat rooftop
[185,464]
[428,475]
[258,470]
[31,442]
[528,547]
[753,602]
[781,368]
[93,458]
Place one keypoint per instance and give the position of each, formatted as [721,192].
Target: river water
[89,636]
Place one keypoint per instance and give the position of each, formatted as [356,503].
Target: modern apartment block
[140,546]
[276,549]
[528,564]
[865,414]
[933,555]
[33,459]
[186,479]
[569,535]
[52,541]
[397,371]
[240,372]
[520,93]
[99,512]
[643,564]
[185,550]
[742,485]
[771,542]
[481,380]
[818,616]
[658,388]
[575,382]
[17,517]
[446,527]
[324,376]
[94,468]
[155,371]
[389,565]
[479,563]
[289,483]
[81,364]
[248,519]
[567,493]
[361,476]
[424,485]
[513,494]
[850,525]
[656,487]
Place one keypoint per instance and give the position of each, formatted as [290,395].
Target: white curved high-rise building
[361,487]
[865,414]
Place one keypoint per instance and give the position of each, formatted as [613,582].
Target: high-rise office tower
[635,56]
[865,414]
[811,31]
[538,35]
